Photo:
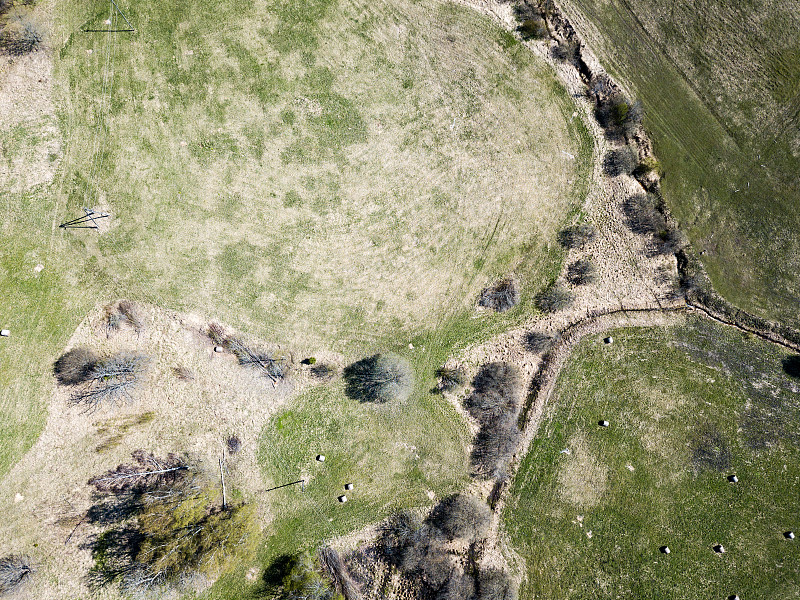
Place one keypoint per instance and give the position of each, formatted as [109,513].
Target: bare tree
[272,365]
[15,570]
[110,380]
[147,472]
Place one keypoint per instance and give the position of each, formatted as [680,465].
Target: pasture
[687,407]
[335,178]
[720,83]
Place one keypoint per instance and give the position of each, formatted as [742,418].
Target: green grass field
[687,407]
[720,82]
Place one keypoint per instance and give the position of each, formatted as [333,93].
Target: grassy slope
[669,396]
[720,82]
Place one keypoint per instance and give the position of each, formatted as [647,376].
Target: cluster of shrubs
[554,298]
[421,551]
[495,404]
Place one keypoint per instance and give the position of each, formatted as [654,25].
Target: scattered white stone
[630,468]
[89,51]
[565,451]
[411,346]
[38,268]
[219,349]
[348,486]
[5,332]
[320,458]
[342,499]
[189,52]
[18,498]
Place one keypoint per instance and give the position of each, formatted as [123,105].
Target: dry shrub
[621,161]
[233,444]
[334,567]
[75,366]
[556,297]
[19,37]
[273,365]
[496,391]
[183,373]
[577,236]
[461,517]
[536,341]
[581,272]
[122,313]
[500,296]
[324,372]
[110,379]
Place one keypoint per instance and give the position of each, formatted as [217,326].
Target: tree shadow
[791,365]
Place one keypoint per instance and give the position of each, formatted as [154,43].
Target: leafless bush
[620,162]
[19,38]
[496,391]
[379,378]
[122,313]
[15,570]
[616,114]
[580,272]
[536,341]
[494,584]
[336,570]
[75,366]
[461,517]
[323,372]
[216,333]
[460,586]
[576,236]
[398,533]
[500,296]
[109,380]
[146,473]
[183,373]
[644,214]
[450,379]
[556,297]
